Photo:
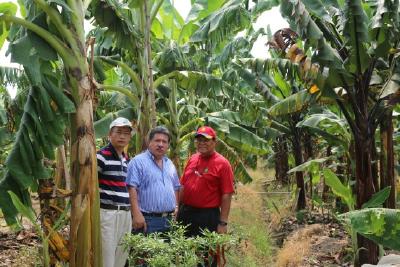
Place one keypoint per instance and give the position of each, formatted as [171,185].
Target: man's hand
[138,222]
[222,229]
[175,214]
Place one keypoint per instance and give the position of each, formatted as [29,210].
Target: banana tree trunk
[387,159]
[85,238]
[298,158]
[308,154]
[325,188]
[281,160]
[149,64]
[147,109]
[375,167]
[368,250]
[173,126]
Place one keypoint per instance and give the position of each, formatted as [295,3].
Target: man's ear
[109,134]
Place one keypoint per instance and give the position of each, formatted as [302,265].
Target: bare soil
[18,248]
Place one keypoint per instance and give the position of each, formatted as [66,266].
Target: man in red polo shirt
[207,187]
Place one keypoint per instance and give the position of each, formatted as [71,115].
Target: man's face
[159,145]
[205,146]
[120,136]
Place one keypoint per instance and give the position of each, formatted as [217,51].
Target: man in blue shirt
[153,185]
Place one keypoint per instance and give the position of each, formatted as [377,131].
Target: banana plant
[50,36]
[313,168]
[279,81]
[378,224]
[355,46]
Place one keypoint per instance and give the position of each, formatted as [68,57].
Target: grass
[27,256]
[300,242]
[247,219]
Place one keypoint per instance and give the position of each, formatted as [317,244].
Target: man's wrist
[222,223]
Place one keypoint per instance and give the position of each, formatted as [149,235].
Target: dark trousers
[198,219]
[155,225]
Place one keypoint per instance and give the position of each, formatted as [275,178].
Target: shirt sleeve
[134,173]
[227,186]
[184,177]
[100,162]
[175,178]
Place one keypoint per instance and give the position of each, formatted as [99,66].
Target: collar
[114,152]
[148,153]
[208,156]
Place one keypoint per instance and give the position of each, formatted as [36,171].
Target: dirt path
[276,238]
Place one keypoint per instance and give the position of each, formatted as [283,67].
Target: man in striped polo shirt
[153,185]
[115,216]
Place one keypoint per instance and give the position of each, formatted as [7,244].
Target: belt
[114,207]
[156,214]
[196,209]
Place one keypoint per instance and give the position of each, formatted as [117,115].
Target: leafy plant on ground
[175,249]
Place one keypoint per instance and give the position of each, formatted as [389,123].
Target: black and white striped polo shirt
[112,175]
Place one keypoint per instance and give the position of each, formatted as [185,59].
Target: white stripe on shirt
[114,193]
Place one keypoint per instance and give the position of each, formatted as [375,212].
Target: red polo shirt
[206,179]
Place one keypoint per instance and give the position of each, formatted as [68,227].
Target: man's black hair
[159,130]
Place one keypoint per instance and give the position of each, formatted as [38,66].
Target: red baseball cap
[206,131]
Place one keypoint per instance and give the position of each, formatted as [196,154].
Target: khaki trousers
[114,225]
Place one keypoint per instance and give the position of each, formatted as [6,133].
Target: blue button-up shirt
[155,186]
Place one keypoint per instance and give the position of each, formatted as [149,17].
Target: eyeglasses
[122,133]
[197,140]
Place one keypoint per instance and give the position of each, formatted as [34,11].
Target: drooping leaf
[338,188]
[170,20]
[329,126]
[392,86]
[26,211]
[202,8]
[385,27]
[200,82]
[239,137]
[22,51]
[292,104]
[227,21]
[356,32]
[378,224]
[317,8]
[308,165]
[42,48]
[10,9]
[377,199]
[118,18]
[41,129]
[9,210]
[5,136]
[239,170]
[262,6]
